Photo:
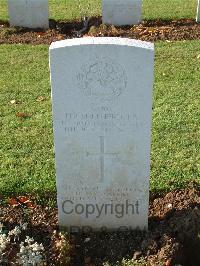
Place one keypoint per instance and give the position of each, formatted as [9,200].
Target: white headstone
[198,12]
[121,12]
[29,13]
[102,102]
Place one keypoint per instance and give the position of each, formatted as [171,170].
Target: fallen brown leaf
[23,199]
[13,202]
[22,115]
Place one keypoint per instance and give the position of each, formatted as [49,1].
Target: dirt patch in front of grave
[173,237]
[154,30]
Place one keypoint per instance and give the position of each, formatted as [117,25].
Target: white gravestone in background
[29,13]
[102,102]
[121,12]
[198,12]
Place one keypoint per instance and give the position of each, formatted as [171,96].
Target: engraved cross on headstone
[102,155]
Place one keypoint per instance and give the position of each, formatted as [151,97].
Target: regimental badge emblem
[103,79]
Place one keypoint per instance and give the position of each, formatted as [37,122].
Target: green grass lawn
[26,153]
[152,9]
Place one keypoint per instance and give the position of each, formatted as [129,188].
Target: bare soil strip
[155,30]
[173,236]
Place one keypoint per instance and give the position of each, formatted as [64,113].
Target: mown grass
[26,144]
[176,115]
[152,9]
[26,154]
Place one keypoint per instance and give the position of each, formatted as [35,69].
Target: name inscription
[77,122]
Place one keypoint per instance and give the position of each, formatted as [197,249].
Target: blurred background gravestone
[121,12]
[198,12]
[29,13]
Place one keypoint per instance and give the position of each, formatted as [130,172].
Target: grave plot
[102,135]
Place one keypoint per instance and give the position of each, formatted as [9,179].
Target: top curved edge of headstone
[103,41]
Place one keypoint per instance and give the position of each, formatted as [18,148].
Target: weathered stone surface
[121,12]
[102,102]
[29,13]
